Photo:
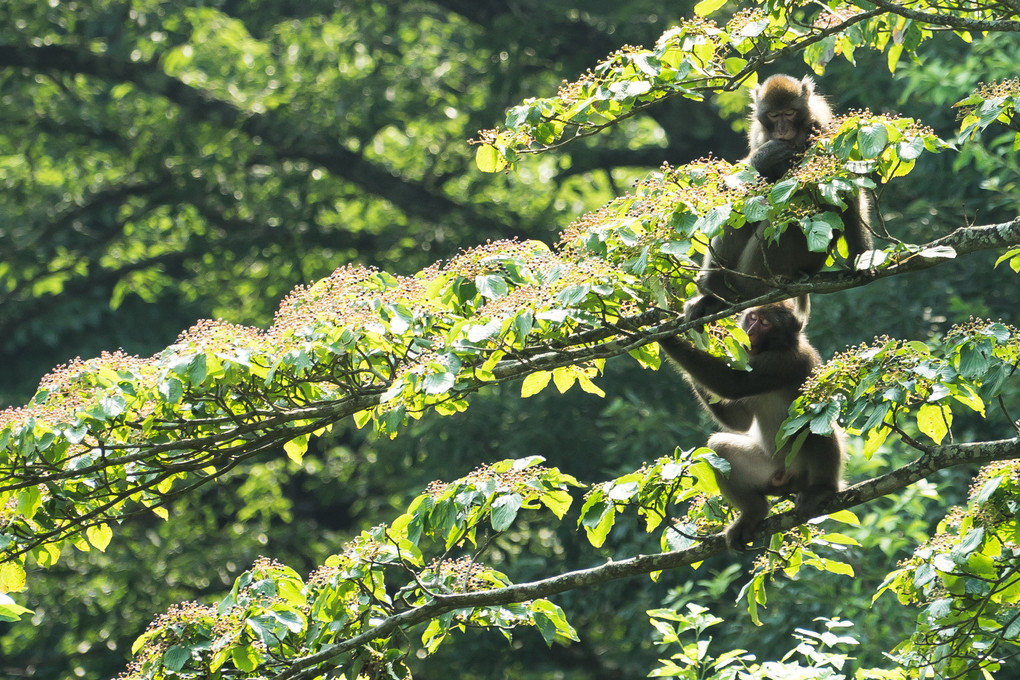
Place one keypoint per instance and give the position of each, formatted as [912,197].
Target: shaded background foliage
[139,196]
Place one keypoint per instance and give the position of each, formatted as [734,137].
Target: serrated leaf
[756,209]
[782,191]
[712,222]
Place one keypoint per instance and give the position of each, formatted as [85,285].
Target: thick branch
[949,20]
[964,240]
[936,459]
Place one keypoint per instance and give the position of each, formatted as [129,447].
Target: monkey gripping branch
[111,436]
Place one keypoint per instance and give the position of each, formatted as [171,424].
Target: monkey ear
[802,309]
[807,86]
[756,93]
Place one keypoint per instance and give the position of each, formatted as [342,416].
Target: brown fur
[743,263]
[752,405]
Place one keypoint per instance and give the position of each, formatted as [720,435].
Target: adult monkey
[739,263]
[751,406]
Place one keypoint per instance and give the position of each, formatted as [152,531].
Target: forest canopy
[170,159]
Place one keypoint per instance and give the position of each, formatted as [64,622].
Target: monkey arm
[733,415]
[771,371]
[722,260]
[856,230]
[774,158]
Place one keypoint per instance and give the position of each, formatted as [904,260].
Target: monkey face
[783,124]
[757,328]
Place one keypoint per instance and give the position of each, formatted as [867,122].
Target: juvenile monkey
[751,406]
[785,114]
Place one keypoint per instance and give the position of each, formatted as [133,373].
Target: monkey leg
[720,270]
[765,262]
[820,462]
[751,473]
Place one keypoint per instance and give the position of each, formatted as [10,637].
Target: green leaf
[176,657]
[11,611]
[629,89]
[558,501]
[491,286]
[99,536]
[707,7]
[756,209]
[818,230]
[504,510]
[782,191]
[535,383]
[711,223]
[489,159]
[296,447]
[839,539]
[552,622]
[563,378]
[171,390]
[934,420]
[872,140]
[245,658]
[987,489]
[961,552]
[12,577]
[597,518]
[439,383]
[846,517]
[197,369]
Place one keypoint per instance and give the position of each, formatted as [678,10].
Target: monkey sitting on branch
[785,114]
[752,405]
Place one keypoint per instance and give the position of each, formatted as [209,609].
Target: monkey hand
[740,533]
[702,306]
[809,499]
[774,158]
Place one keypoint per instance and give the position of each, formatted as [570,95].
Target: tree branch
[948,20]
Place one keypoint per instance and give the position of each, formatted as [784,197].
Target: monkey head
[776,325]
[787,109]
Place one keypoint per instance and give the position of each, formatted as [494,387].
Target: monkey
[751,405]
[785,114]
